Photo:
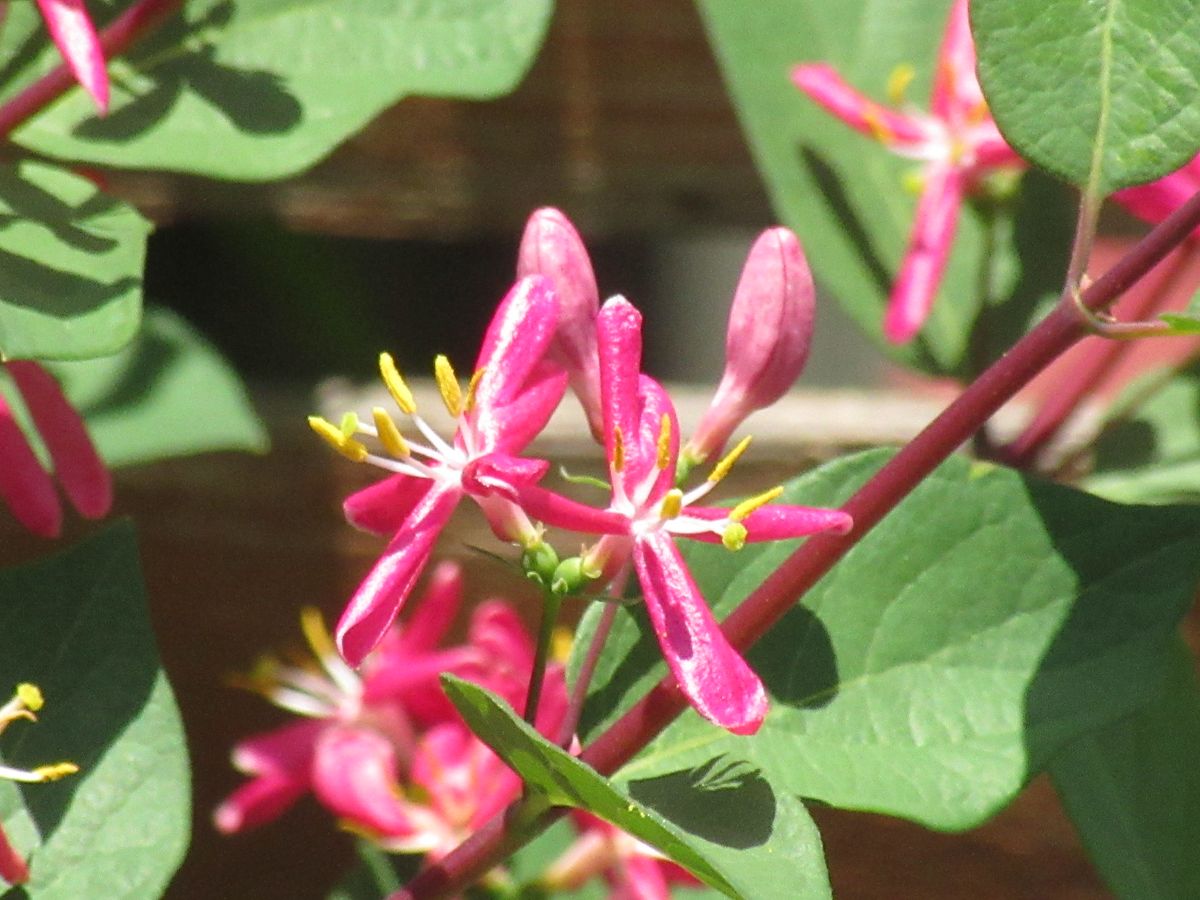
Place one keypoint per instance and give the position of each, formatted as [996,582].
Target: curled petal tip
[73,33]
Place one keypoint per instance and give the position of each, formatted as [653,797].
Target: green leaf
[1099,93]
[70,266]
[377,874]
[169,394]
[1133,791]
[77,627]
[706,819]
[1149,450]
[984,624]
[261,89]
[1181,324]
[844,193]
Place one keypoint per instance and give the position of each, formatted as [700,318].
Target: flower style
[73,33]
[633,870]
[957,141]
[363,731]
[25,486]
[26,700]
[512,394]
[646,510]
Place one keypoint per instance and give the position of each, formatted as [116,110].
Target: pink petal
[655,405]
[25,486]
[957,95]
[499,474]
[619,331]
[774,522]
[284,750]
[378,600]
[383,507]
[717,681]
[511,426]
[355,776]
[12,865]
[824,85]
[504,648]
[563,512]
[75,37]
[428,624]
[552,247]
[76,463]
[766,345]
[515,343]
[638,877]
[928,251]
[409,685]
[465,781]
[258,801]
[1155,201]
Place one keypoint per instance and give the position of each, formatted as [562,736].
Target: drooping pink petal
[13,868]
[656,406]
[76,39]
[773,522]
[504,651]
[638,877]
[283,750]
[619,332]
[383,507]
[928,251]
[957,96]
[716,680]
[78,466]
[766,344]
[514,345]
[378,600]
[499,474]
[430,621]
[354,775]
[552,247]
[563,512]
[465,781]
[513,425]
[259,801]
[824,85]
[24,485]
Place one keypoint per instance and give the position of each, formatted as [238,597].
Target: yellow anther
[332,435]
[561,640]
[389,433]
[672,504]
[472,388]
[312,623]
[913,181]
[396,385]
[878,127]
[664,443]
[721,469]
[734,536]
[30,696]
[618,460]
[349,423]
[55,771]
[746,507]
[448,386]
[898,81]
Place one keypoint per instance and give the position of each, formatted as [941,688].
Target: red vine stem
[763,608]
[133,24]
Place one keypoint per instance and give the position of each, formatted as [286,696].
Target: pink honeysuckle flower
[633,870]
[958,143]
[766,345]
[26,701]
[73,33]
[361,730]
[647,511]
[552,247]
[512,394]
[25,486]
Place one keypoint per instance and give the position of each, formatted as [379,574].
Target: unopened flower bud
[766,346]
[540,564]
[570,577]
[552,247]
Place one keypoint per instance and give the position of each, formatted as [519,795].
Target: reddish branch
[763,608]
[133,24]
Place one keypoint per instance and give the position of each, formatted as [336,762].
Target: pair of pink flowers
[550,330]
[959,147]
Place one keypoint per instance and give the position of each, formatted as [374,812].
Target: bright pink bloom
[514,391]
[25,486]
[633,870]
[552,247]
[1155,201]
[642,443]
[364,730]
[766,345]
[77,41]
[957,141]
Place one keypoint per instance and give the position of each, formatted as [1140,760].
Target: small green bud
[540,563]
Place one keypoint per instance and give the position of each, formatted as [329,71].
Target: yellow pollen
[664,443]
[312,623]
[913,181]
[879,129]
[332,435]
[396,385]
[746,507]
[734,536]
[448,386]
[30,695]
[472,387]
[898,81]
[618,461]
[721,469]
[560,643]
[672,504]
[389,433]
[55,771]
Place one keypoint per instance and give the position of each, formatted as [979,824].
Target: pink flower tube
[75,36]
